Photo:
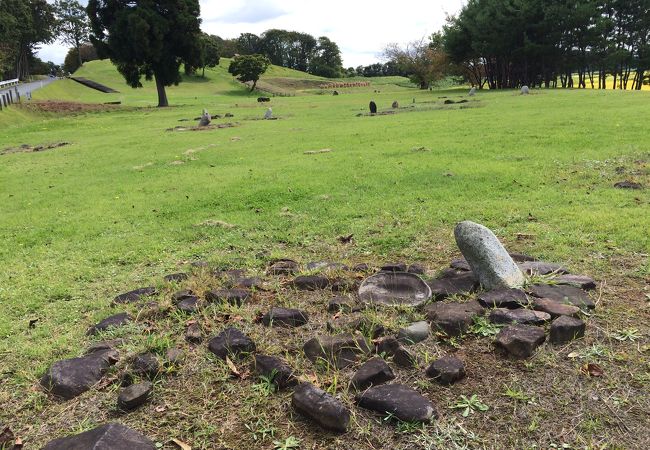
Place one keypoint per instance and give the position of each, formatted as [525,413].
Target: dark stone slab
[520,340]
[628,185]
[250,283]
[182,295]
[114,321]
[402,401]
[391,347]
[135,295]
[231,342]
[460,264]
[563,294]
[446,370]
[176,277]
[394,267]
[525,316]
[541,268]
[135,395]
[459,283]
[453,319]
[193,333]
[503,298]
[580,281]
[275,368]
[394,289]
[341,350]
[285,317]
[311,282]
[111,436]
[417,269]
[283,267]
[321,407]
[565,329]
[189,304]
[341,303]
[520,257]
[111,344]
[555,308]
[145,365]
[233,296]
[69,378]
[373,372]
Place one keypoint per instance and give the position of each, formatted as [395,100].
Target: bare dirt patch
[62,107]
[26,148]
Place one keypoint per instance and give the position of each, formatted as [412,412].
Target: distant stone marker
[335,93]
[205,119]
[472,92]
[525,90]
[268,114]
[373,107]
[395,105]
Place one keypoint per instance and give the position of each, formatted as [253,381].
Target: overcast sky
[361,28]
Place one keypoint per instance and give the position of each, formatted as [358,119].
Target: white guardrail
[8,83]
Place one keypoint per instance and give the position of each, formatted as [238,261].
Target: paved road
[24,88]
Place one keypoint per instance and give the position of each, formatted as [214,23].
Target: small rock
[283,267]
[525,90]
[373,372]
[472,92]
[456,283]
[341,350]
[580,281]
[487,257]
[189,304]
[340,303]
[235,297]
[113,321]
[460,264]
[416,269]
[414,333]
[174,355]
[563,294]
[146,365]
[176,277]
[401,356]
[628,185]
[395,105]
[525,316]
[231,341]
[520,340]
[541,268]
[193,333]
[135,395]
[135,295]
[311,282]
[555,308]
[446,370]
[271,366]
[250,283]
[403,402]
[565,329]
[113,436]
[394,267]
[503,298]
[285,317]
[454,319]
[111,344]
[321,407]
[182,294]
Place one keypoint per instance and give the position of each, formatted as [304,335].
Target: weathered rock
[391,347]
[231,342]
[268,114]
[472,92]
[402,401]
[563,294]
[135,395]
[7,438]
[394,289]
[394,267]
[446,370]
[580,281]
[628,185]
[146,365]
[487,257]
[456,283]
[135,295]
[525,316]
[111,436]
[285,317]
[174,355]
[395,105]
[321,407]
[417,269]
[205,119]
[414,333]
[311,282]
[460,264]
[69,378]
[373,372]
[182,294]
[565,329]
[555,308]
[373,107]
[250,283]
[525,90]
[341,303]
[283,267]
[520,340]
[503,298]
[189,304]
[235,297]
[193,333]
[272,366]
[541,268]
[176,277]
[341,350]
[111,344]
[326,266]
[114,321]
[453,319]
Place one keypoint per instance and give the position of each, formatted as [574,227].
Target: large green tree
[326,61]
[249,68]
[149,38]
[72,24]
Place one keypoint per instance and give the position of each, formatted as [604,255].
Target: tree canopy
[423,62]
[72,24]
[249,68]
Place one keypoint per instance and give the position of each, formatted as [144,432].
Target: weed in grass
[260,430]
[483,327]
[469,405]
[517,395]
[266,387]
[628,334]
[287,444]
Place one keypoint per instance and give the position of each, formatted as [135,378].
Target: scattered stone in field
[394,289]
[341,303]
[372,373]
[321,407]
[189,304]
[182,294]
[193,333]
[460,264]
[176,277]
[199,263]
[249,283]
[276,369]
[395,105]
[525,90]
[454,319]
[628,185]
[311,282]
[541,268]
[563,294]
[487,257]
[146,365]
[446,370]
[449,102]
[317,152]
[335,93]
[392,347]
[402,401]
[565,329]
[174,355]
[268,114]
[354,323]
[472,92]
[205,119]
[456,283]
[520,340]
[135,395]
[229,115]
[414,333]
[283,267]
[326,266]
[361,267]
[394,267]
[111,344]
[373,107]
[114,321]
[230,274]
[69,378]
[525,316]
[580,281]
[231,341]
[503,298]
[555,308]
[235,297]
[285,317]
[340,350]
[135,295]
[417,269]
[113,436]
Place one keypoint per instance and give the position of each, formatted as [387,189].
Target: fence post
[17,94]
[11,96]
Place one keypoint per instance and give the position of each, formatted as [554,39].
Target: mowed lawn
[128,201]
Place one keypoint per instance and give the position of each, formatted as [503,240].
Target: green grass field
[128,201]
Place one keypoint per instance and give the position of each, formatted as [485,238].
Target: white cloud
[361,28]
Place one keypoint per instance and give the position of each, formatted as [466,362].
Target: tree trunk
[162,95]
[253,86]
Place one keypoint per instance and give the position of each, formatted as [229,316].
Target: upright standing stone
[373,107]
[268,114]
[205,119]
[395,105]
[525,90]
[487,257]
[472,92]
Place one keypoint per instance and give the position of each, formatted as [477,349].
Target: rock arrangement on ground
[487,285]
